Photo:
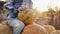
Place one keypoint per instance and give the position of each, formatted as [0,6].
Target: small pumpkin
[56,32]
[49,28]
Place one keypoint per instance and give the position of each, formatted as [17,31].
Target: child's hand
[21,8]
[4,22]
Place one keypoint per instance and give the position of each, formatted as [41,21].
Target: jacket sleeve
[27,3]
[9,5]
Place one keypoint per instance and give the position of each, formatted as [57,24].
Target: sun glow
[42,5]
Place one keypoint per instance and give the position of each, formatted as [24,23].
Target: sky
[42,5]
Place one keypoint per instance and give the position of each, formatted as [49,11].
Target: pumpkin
[56,32]
[28,16]
[34,29]
[4,29]
[49,28]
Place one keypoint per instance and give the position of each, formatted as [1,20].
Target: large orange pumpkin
[4,29]
[27,16]
[34,29]
[49,28]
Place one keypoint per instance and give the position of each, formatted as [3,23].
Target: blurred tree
[57,18]
[52,12]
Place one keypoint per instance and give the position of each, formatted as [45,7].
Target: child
[12,6]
